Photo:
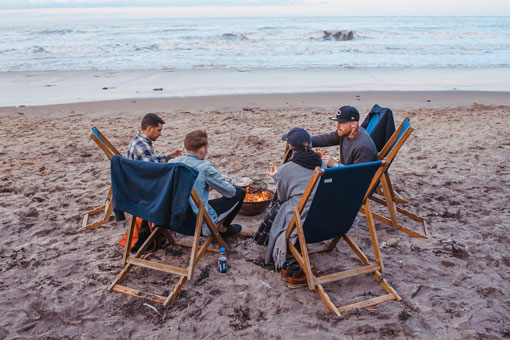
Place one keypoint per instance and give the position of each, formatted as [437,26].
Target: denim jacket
[208,176]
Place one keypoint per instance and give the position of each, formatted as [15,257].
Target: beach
[453,170]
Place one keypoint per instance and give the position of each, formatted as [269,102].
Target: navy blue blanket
[156,192]
[384,128]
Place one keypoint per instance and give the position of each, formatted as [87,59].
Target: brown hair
[151,119]
[195,140]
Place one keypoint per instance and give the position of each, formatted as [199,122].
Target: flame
[320,152]
[257,197]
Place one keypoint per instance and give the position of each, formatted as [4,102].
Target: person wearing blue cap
[291,180]
[356,146]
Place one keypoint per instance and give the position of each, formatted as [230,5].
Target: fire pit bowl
[252,207]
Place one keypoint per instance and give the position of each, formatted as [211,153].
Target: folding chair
[191,225]
[389,197]
[372,122]
[340,193]
[110,151]
[287,153]
[380,125]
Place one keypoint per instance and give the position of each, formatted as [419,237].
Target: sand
[453,169]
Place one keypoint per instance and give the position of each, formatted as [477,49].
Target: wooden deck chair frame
[287,153]
[389,197]
[185,274]
[108,148]
[302,255]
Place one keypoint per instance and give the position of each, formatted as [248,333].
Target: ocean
[254,43]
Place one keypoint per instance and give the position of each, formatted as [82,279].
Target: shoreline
[60,87]
[363,100]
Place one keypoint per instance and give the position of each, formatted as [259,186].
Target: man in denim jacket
[209,178]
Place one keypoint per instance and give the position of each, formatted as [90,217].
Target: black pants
[223,204]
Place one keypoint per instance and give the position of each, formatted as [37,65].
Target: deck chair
[380,125]
[372,122]
[385,195]
[163,217]
[340,193]
[108,148]
[287,153]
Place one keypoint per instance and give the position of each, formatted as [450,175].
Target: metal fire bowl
[255,208]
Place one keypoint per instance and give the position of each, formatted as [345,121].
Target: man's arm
[328,139]
[216,180]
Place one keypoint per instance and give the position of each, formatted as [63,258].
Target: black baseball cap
[347,114]
[297,136]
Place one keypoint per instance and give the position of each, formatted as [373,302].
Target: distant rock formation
[338,35]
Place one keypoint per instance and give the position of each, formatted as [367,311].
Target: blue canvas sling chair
[151,183]
[385,195]
[340,193]
[108,148]
[372,122]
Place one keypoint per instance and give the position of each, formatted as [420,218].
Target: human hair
[195,140]
[151,119]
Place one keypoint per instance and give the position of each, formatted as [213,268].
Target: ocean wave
[233,36]
[58,32]
[153,47]
[36,49]
[7,51]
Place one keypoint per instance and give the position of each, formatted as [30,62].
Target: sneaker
[298,280]
[290,271]
[232,230]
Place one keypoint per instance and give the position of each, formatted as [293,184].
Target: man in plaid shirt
[141,148]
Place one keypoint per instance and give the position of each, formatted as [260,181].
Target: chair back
[337,200]
[156,192]
[104,144]
[372,122]
[396,141]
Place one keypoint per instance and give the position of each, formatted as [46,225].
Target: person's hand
[176,153]
[272,171]
[329,161]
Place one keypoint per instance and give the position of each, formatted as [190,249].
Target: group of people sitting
[355,146]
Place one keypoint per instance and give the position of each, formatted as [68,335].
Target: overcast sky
[282,7]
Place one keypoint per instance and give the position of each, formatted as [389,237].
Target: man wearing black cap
[356,146]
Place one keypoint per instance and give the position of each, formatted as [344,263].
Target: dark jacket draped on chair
[384,128]
[156,192]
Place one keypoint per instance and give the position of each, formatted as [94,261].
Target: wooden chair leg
[389,202]
[329,247]
[129,239]
[170,299]
[325,297]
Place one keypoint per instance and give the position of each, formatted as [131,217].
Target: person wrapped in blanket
[291,179]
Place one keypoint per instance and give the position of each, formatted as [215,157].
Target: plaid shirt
[141,149]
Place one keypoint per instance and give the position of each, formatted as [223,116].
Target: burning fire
[322,153]
[258,196]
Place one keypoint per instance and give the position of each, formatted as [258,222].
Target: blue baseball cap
[297,136]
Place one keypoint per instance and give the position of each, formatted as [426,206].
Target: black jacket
[384,128]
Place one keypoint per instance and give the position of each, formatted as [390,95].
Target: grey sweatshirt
[360,149]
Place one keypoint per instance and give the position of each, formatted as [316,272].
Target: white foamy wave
[248,43]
